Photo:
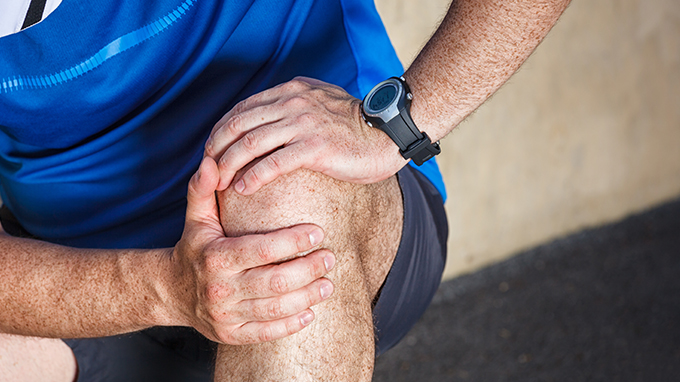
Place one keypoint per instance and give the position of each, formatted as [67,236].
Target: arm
[308,124]
[221,286]
[478,46]
[53,291]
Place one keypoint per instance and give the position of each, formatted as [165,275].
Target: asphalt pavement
[599,305]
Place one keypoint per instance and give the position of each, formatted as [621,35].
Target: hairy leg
[363,228]
[35,359]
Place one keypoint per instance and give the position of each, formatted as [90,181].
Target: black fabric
[35,12]
[11,225]
[161,354]
[418,266]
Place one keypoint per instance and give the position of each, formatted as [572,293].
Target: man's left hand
[304,123]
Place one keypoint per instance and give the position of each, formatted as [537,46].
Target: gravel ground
[599,305]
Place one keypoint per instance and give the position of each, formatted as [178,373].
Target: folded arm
[224,287]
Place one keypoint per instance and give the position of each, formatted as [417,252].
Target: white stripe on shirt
[13,14]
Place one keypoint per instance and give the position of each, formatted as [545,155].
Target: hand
[229,288]
[304,123]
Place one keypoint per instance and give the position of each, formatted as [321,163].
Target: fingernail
[329,262]
[306,318]
[326,290]
[315,237]
[240,186]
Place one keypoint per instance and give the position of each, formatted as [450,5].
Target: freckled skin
[476,49]
[339,344]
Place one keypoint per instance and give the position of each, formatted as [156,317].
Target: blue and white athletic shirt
[105,105]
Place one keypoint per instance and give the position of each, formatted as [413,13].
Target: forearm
[48,290]
[478,46]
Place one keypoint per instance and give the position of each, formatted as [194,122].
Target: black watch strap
[413,143]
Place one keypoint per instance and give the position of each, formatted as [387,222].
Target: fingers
[252,251]
[274,308]
[253,144]
[265,122]
[258,110]
[286,277]
[201,202]
[279,162]
[258,332]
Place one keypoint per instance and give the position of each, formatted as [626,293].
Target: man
[105,114]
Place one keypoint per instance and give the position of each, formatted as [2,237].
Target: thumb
[201,201]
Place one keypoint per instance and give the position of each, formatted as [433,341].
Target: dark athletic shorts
[170,354]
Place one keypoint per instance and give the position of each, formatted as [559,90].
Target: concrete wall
[587,132]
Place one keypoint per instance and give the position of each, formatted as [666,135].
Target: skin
[214,283]
[364,227]
[54,291]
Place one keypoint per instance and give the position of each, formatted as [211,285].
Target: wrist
[163,276]
[388,108]
[380,142]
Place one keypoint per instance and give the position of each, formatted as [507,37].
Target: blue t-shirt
[105,105]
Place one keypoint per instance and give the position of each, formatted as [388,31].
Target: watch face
[382,98]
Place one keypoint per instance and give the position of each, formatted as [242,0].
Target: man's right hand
[236,290]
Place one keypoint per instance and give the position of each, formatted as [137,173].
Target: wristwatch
[387,107]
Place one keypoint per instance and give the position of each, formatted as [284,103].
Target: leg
[35,359]
[363,228]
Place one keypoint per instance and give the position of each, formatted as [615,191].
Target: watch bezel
[393,108]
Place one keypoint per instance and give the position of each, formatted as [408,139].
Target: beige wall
[587,132]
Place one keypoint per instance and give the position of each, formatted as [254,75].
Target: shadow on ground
[600,305]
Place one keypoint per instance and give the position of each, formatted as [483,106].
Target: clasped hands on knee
[238,290]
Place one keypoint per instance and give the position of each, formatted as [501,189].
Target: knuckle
[259,311]
[278,284]
[301,240]
[209,149]
[234,124]
[213,261]
[309,298]
[297,84]
[242,106]
[291,328]
[250,141]
[318,268]
[215,293]
[255,175]
[296,102]
[214,314]
[307,119]
[274,310]
[264,251]
[212,293]
[266,334]
[273,162]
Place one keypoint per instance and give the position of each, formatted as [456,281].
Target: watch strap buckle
[421,150]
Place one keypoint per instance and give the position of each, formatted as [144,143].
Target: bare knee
[362,222]
[302,196]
